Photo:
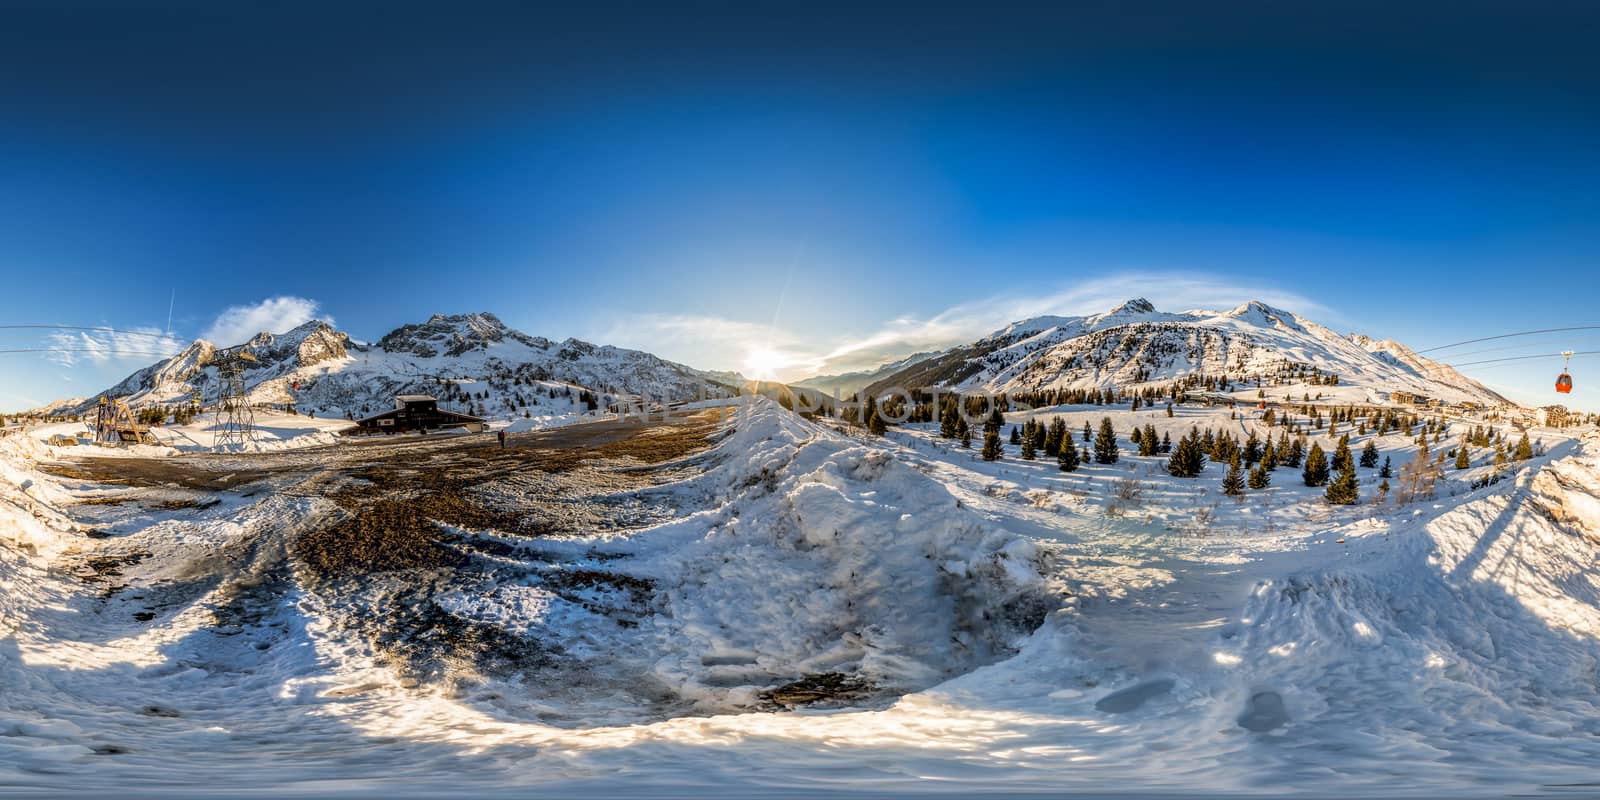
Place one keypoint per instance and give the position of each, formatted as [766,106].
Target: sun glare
[763,364]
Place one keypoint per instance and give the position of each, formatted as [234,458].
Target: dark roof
[452,415]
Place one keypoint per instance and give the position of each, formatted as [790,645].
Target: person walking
[502,436]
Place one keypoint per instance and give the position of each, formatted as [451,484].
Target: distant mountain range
[1135,345]
[848,383]
[469,361]
[474,362]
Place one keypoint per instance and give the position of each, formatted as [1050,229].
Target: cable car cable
[1508,336]
[1526,358]
[93,328]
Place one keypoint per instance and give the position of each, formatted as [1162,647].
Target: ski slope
[1035,639]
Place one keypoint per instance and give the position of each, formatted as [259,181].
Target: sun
[763,363]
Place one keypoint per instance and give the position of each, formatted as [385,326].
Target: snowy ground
[1445,648]
[274,431]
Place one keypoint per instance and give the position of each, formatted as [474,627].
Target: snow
[274,431]
[1134,345]
[1448,647]
[508,373]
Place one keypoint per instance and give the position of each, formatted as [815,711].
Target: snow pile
[833,557]
[1474,632]
[817,556]
[32,532]
[29,519]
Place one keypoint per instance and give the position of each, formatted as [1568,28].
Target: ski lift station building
[416,412]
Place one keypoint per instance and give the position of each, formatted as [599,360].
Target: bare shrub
[1205,517]
[1129,490]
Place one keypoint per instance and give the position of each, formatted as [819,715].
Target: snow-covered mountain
[457,358]
[848,383]
[1136,345]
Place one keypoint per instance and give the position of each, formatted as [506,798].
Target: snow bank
[832,556]
[1474,632]
[816,554]
[29,519]
[32,532]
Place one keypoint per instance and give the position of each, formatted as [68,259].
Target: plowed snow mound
[1467,649]
[833,557]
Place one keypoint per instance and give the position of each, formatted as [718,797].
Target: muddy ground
[408,520]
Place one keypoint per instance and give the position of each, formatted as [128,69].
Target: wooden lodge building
[416,412]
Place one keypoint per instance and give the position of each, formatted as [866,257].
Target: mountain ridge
[322,370]
[1134,345]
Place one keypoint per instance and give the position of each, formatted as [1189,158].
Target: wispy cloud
[139,344]
[237,324]
[721,343]
[714,342]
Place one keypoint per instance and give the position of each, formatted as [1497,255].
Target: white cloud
[275,315]
[719,343]
[139,345]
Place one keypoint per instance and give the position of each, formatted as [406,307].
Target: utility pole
[236,423]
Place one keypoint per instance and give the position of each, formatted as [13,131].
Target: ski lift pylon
[1564,382]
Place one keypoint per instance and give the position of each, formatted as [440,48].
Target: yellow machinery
[114,424]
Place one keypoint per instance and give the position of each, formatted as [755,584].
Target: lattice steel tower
[236,423]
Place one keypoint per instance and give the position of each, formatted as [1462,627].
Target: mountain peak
[1260,313]
[1137,305]
[1256,307]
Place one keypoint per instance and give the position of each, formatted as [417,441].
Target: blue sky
[835,184]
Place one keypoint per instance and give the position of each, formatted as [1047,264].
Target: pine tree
[1068,458]
[1233,482]
[1169,409]
[1054,437]
[1105,444]
[947,423]
[1083,455]
[991,446]
[1342,491]
[1016,435]
[1316,471]
[1387,470]
[1029,451]
[1463,460]
[1187,460]
[995,422]
[1260,477]
[1166,443]
[1369,454]
[1524,449]
[1297,453]
[1342,460]
[964,431]
[1088,435]
[875,422]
